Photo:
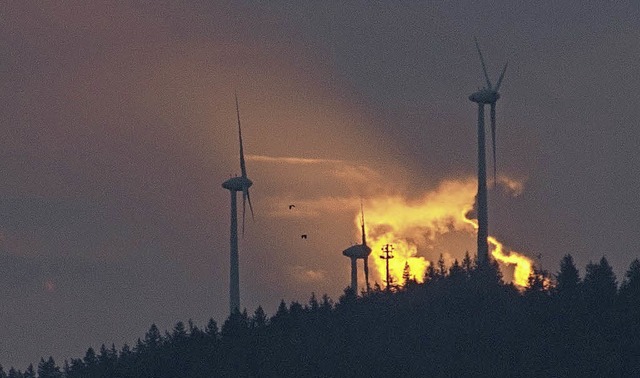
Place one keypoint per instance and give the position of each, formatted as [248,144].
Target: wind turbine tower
[359,251]
[233,185]
[487,95]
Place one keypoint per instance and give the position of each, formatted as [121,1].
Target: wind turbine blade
[484,68]
[250,206]
[245,191]
[243,168]
[501,77]
[493,139]
[364,237]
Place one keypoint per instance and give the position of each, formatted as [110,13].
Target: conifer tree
[630,288]
[48,369]
[90,358]
[442,268]
[236,325]
[66,370]
[568,278]
[313,303]
[327,304]
[212,328]
[125,351]
[259,319]
[179,331]
[537,283]
[406,274]
[152,338]
[76,368]
[456,271]
[430,274]
[600,285]
[13,373]
[467,263]
[30,372]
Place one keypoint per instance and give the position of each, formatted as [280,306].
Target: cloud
[324,187]
[511,185]
[278,207]
[307,275]
[291,160]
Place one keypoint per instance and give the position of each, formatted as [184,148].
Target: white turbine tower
[234,185]
[487,95]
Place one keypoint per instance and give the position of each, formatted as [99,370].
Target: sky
[118,129]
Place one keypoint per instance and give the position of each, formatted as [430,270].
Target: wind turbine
[233,185]
[359,251]
[487,95]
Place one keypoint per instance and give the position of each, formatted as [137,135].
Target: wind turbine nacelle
[237,184]
[485,96]
[358,251]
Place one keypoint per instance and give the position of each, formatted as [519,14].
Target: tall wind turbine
[359,251]
[233,185]
[487,95]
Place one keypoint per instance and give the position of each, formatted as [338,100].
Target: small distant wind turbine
[487,95]
[234,185]
[359,251]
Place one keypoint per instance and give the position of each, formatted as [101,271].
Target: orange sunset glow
[414,227]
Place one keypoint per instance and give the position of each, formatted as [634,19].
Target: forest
[462,321]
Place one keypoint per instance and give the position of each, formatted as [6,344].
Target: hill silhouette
[462,321]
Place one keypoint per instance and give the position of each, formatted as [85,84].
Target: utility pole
[388,250]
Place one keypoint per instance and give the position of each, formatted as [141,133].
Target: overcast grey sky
[118,130]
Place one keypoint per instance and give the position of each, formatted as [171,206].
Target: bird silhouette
[291,206]
[303,236]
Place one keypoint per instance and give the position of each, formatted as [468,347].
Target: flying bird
[303,236]
[291,206]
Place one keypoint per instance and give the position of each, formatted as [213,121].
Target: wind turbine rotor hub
[358,251]
[237,184]
[485,96]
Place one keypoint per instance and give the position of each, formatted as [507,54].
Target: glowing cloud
[413,228]
[523,265]
[291,160]
[303,274]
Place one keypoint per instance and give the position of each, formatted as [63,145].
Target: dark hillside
[465,322]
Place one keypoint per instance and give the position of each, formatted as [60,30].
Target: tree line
[462,321]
